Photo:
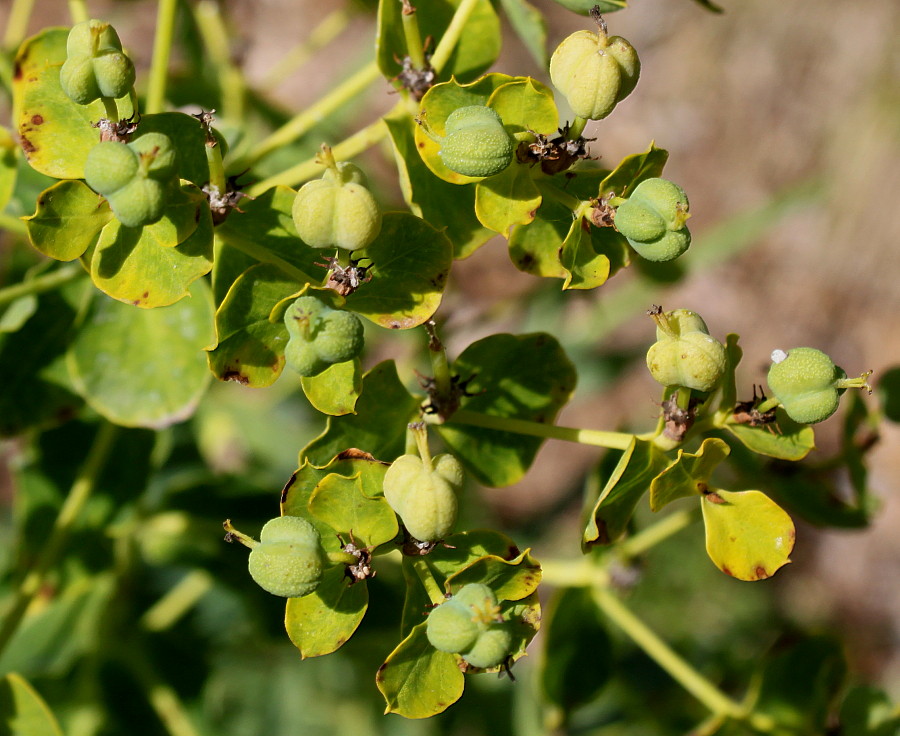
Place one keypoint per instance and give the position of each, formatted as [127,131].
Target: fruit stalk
[414,47]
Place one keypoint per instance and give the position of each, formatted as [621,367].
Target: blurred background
[783,125]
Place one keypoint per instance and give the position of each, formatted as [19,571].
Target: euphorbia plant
[148,202]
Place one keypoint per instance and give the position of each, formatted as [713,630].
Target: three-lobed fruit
[423,494]
[807,383]
[594,72]
[95,64]
[469,624]
[475,143]
[337,210]
[320,336]
[134,177]
[685,354]
[288,560]
[653,220]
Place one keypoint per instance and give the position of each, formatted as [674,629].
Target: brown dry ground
[749,103]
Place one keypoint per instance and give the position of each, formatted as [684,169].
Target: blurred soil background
[758,103]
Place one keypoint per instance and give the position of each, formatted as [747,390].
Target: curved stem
[451,36]
[264,255]
[162,49]
[311,116]
[41,284]
[78,495]
[593,437]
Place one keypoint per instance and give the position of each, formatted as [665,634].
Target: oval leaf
[335,390]
[68,218]
[22,711]
[508,199]
[790,441]
[689,473]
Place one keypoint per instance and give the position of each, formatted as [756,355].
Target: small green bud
[337,210]
[808,384]
[653,219]
[320,336]
[288,560]
[685,354]
[95,65]
[475,143]
[594,72]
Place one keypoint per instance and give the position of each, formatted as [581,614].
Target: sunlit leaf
[688,474]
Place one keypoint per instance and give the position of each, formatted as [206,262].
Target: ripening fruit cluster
[423,493]
[653,219]
[95,64]
[134,177]
[685,354]
[288,560]
[320,336]
[470,624]
[337,211]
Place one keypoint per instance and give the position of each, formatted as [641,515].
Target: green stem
[41,284]
[426,577]
[177,601]
[214,33]
[264,255]
[78,495]
[420,432]
[309,169]
[216,168]
[683,398]
[163,698]
[110,108]
[414,48]
[579,573]
[342,558]
[451,36]
[162,49]
[78,11]
[244,539]
[440,366]
[17,23]
[302,123]
[576,128]
[323,34]
[551,191]
[768,404]
[593,437]
[13,224]
[656,533]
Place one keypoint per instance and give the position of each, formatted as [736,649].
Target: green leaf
[18,312]
[264,229]
[577,654]
[321,622]
[513,376]
[22,711]
[583,7]
[511,580]
[748,536]
[508,199]
[888,390]
[36,387]
[411,262]
[135,266]
[790,441]
[184,210]
[67,220]
[418,681]
[464,548]
[341,503]
[688,474]
[250,348]
[447,207]
[633,169]
[143,368]
[55,133]
[631,478]
[477,49]
[585,268]
[800,680]
[335,390]
[529,24]
[526,107]
[7,167]
[379,425]
[867,711]
[295,500]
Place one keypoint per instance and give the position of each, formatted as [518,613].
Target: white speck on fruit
[778,356]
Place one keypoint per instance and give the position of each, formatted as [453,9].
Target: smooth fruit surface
[452,627]
[336,212]
[110,165]
[95,64]
[140,202]
[287,561]
[425,500]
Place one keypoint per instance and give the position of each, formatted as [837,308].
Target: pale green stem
[216,167]
[264,255]
[347,149]
[656,533]
[568,201]
[78,495]
[768,404]
[683,673]
[110,108]
[414,47]
[17,23]
[592,437]
[451,36]
[215,40]
[342,558]
[12,224]
[435,594]
[420,432]
[177,601]
[576,127]
[41,284]
[78,11]
[323,34]
[579,573]
[162,49]
[311,116]
[244,539]
[163,698]
[439,363]
[683,398]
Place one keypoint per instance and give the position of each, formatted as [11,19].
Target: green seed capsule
[95,64]
[140,202]
[452,627]
[288,560]
[594,72]
[475,142]
[491,648]
[320,336]
[423,498]
[653,220]
[110,165]
[685,354]
[807,383]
